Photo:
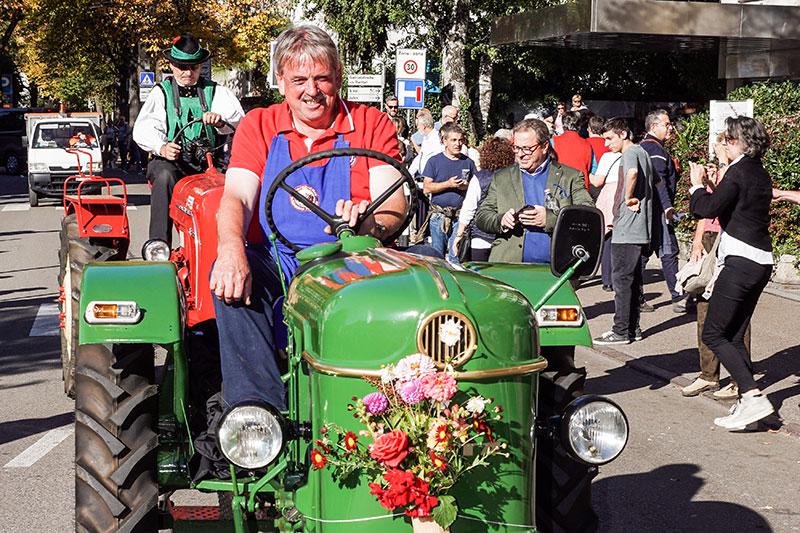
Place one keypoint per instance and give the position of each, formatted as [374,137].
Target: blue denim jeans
[247,338]
[440,241]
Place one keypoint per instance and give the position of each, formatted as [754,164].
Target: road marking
[39,449]
[46,322]
[17,207]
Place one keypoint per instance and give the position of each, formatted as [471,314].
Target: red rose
[390,448]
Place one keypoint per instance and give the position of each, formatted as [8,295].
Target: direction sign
[410,93]
[147,79]
[364,94]
[7,87]
[410,64]
[365,80]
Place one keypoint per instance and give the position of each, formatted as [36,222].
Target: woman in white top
[605,178]
[495,153]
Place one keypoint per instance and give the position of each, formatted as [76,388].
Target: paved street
[679,473]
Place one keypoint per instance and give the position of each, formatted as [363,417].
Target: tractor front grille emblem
[447,337]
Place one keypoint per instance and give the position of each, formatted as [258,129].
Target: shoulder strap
[176,97]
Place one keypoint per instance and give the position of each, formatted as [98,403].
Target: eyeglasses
[391,107]
[667,125]
[525,150]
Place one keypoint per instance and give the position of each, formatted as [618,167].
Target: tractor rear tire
[73,256]
[115,439]
[563,485]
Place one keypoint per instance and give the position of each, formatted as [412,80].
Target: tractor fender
[154,288]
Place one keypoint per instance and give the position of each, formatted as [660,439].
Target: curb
[678,380]
[777,290]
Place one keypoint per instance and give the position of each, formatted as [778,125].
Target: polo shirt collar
[540,168]
[653,137]
[342,121]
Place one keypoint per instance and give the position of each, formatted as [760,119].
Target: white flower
[450,332]
[476,405]
[414,366]
[387,374]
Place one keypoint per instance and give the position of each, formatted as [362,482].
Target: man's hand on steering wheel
[213,119]
[349,212]
[170,151]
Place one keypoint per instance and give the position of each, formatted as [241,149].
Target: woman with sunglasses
[742,203]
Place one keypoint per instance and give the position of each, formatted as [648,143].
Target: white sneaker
[747,410]
[728,392]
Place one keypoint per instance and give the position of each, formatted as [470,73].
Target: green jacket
[505,192]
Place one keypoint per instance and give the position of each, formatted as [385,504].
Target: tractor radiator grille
[447,337]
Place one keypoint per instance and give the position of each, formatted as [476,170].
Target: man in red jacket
[572,149]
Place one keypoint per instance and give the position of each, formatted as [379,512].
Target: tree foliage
[89,48]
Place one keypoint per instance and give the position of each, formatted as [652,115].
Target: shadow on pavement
[661,500]
[19,352]
[19,429]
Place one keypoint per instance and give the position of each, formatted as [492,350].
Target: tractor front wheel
[115,438]
[73,256]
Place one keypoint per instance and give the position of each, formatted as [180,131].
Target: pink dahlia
[439,387]
[376,403]
[414,366]
[411,391]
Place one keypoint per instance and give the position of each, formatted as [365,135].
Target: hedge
[777,106]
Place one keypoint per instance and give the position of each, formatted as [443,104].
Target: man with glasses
[393,110]
[664,243]
[514,205]
[170,106]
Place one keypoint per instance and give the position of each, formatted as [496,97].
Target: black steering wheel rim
[179,135]
[336,223]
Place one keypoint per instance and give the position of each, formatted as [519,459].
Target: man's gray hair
[391,98]
[537,126]
[653,118]
[571,121]
[305,43]
[425,117]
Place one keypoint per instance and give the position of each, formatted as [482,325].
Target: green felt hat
[186,50]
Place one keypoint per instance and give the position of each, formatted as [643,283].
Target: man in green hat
[170,106]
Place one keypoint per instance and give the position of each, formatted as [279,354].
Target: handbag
[695,276]
[463,246]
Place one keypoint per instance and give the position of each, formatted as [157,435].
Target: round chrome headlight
[594,430]
[155,250]
[251,436]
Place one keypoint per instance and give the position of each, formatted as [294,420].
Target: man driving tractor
[313,118]
[167,110]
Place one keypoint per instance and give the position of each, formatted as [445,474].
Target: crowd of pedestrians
[499,203]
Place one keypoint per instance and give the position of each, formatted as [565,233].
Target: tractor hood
[361,310]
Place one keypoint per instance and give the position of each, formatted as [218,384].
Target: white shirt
[431,145]
[608,166]
[150,130]
[468,210]
[729,245]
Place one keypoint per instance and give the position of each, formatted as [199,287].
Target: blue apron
[324,185]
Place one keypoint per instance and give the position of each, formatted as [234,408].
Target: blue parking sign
[147,79]
[410,93]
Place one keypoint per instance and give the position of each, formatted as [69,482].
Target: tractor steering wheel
[193,153]
[339,226]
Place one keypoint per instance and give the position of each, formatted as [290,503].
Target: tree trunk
[485,70]
[454,71]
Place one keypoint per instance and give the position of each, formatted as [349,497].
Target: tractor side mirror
[578,233]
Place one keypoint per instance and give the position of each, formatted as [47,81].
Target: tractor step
[200,518]
[195,513]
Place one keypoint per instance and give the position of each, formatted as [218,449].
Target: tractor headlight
[594,430]
[155,250]
[251,436]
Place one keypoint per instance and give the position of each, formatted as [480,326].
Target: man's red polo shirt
[362,126]
[598,145]
[574,151]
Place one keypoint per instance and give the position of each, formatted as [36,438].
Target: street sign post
[365,87]
[410,93]
[7,87]
[410,64]
[147,79]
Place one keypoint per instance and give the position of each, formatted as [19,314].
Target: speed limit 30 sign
[410,64]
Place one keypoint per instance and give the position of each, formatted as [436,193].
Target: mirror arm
[581,256]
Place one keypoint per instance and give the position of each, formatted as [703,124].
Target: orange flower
[350,441]
[438,462]
[318,460]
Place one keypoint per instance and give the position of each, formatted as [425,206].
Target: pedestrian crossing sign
[147,79]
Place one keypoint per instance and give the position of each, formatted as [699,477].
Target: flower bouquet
[420,435]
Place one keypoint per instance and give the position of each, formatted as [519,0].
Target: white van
[49,164]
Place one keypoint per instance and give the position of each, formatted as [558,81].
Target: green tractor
[353,306]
